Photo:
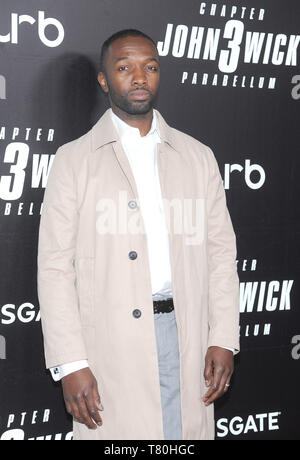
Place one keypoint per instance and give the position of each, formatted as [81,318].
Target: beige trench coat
[88,287]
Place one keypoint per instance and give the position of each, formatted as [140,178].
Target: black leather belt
[163,306]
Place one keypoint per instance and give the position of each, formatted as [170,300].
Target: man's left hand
[219,366]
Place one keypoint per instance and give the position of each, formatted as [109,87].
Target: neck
[141,121]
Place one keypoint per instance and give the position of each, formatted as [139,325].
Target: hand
[82,398]
[219,368]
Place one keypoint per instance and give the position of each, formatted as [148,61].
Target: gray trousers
[168,361]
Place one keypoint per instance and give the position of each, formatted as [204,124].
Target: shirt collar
[105,132]
[125,130]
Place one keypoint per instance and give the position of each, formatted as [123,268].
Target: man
[139,304]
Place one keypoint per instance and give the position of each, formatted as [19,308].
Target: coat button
[132,204]
[132,255]
[137,313]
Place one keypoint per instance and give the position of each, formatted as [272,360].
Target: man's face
[131,75]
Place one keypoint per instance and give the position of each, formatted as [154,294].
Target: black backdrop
[237,91]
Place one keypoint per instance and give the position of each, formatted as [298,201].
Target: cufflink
[56,371]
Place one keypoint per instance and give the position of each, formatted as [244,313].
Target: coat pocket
[85,289]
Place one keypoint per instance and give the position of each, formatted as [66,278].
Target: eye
[123,67]
[152,67]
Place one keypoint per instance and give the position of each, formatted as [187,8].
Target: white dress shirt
[141,152]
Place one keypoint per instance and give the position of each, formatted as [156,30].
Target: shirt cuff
[62,371]
[234,351]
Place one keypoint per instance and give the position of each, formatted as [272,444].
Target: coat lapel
[125,166]
[104,132]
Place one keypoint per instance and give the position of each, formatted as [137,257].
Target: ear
[102,81]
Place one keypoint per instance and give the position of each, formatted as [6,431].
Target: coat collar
[104,131]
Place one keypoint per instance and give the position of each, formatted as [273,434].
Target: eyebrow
[128,57]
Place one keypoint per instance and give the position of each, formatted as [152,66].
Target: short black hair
[120,34]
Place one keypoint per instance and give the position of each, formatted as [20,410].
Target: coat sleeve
[56,280]
[222,270]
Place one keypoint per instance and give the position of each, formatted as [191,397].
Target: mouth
[140,94]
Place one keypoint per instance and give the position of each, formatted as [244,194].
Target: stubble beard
[131,107]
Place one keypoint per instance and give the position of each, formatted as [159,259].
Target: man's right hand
[82,398]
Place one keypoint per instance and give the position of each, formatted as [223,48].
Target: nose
[139,76]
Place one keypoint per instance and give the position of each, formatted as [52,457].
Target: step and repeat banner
[230,77]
